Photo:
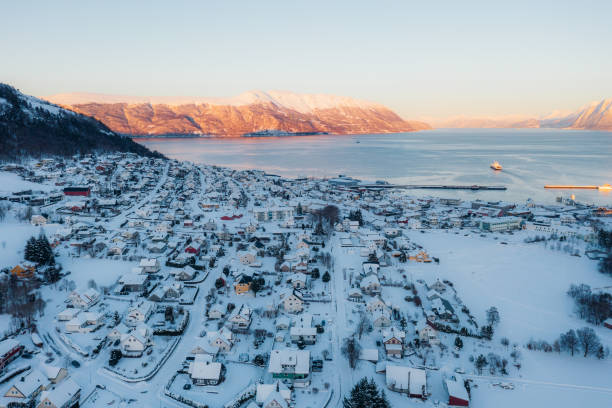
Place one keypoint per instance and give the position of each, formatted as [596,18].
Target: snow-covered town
[131,281]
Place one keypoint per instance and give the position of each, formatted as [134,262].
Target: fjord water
[530,158]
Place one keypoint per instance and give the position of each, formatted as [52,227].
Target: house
[134,343]
[132,282]
[283,323]
[443,309]
[77,191]
[26,387]
[266,390]
[171,292]
[37,220]
[241,320]
[193,248]
[369,354]
[393,340]
[299,280]
[185,274]
[150,265]
[293,301]
[381,318]
[307,335]
[65,395]
[54,374]
[67,314]
[355,295]
[84,300]
[203,371]
[139,313]
[408,380]
[10,349]
[117,332]
[243,284]
[24,270]
[428,334]
[247,257]
[438,286]
[457,393]
[291,364]
[223,340]
[376,305]
[370,285]
[216,311]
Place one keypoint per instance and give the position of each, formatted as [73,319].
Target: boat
[605,187]
[496,166]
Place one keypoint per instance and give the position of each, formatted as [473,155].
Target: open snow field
[11,182]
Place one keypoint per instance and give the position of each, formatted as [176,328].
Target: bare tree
[588,340]
[363,324]
[351,350]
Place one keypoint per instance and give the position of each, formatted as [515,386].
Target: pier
[473,187]
[604,187]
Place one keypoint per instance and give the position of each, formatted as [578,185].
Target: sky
[423,59]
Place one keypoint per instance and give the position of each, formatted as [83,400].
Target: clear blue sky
[421,58]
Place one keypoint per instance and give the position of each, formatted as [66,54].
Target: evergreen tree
[365,394]
[326,277]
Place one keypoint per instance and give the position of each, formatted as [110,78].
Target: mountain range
[31,127]
[594,116]
[249,113]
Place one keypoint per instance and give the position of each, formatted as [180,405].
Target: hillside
[247,113]
[32,127]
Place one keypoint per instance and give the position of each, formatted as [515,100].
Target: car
[187,386]
[75,364]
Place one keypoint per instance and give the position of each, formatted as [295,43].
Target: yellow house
[420,257]
[24,271]
[243,284]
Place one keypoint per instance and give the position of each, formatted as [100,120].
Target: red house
[77,191]
[457,394]
[10,349]
[193,249]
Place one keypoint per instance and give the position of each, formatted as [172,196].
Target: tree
[351,350]
[569,341]
[315,273]
[169,314]
[492,316]
[480,363]
[257,285]
[588,340]
[299,209]
[486,332]
[326,277]
[219,283]
[319,229]
[363,324]
[115,356]
[365,394]
[505,342]
[458,342]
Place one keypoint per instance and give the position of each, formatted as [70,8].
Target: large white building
[273,213]
[494,224]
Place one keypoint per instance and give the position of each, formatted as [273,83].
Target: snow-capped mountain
[594,116]
[249,112]
[33,127]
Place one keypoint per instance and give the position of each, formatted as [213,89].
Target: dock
[572,187]
[473,187]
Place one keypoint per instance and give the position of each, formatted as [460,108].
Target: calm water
[531,158]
